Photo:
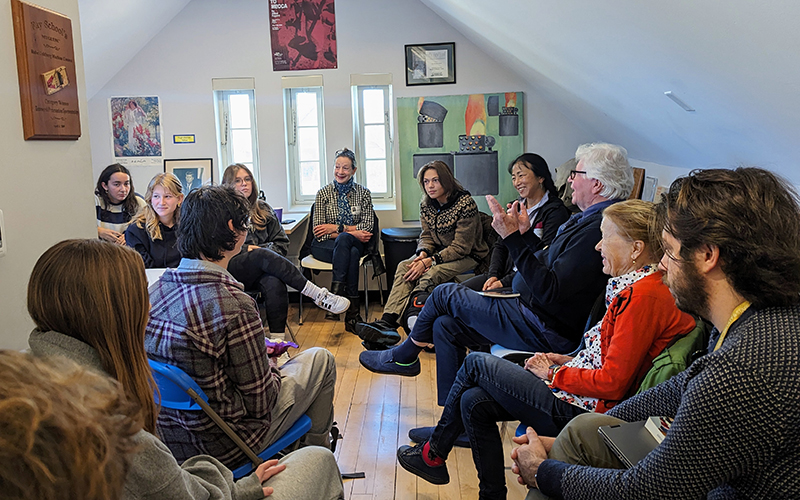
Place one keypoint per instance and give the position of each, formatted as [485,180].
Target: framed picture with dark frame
[192,172]
[430,63]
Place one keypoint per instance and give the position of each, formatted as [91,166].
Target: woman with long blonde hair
[89,302]
[154,231]
[262,264]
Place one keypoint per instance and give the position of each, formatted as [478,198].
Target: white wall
[45,186]
[210,39]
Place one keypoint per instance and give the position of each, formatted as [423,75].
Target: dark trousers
[456,318]
[487,390]
[344,253]
[268,272]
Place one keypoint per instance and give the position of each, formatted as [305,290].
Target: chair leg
[380,290]
[300,309]
[366,295]
[291,333]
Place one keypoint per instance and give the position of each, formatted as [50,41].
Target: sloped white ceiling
[113,31]
[608,64]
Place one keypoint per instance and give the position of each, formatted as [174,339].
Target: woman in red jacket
[641,320]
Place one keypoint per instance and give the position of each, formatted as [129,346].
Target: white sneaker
[332,303]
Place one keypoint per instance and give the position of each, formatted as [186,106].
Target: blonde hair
[636,220]
[96,292]
[147,217]
[65,431]
[259,213]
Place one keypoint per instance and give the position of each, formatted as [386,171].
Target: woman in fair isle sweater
[451,243]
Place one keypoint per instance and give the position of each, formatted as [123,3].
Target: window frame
[296,195]
[357,91]
[224,135]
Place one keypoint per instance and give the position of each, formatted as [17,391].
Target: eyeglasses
[246,224]
[573,173]
[240,180]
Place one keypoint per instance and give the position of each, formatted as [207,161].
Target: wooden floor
[375,412]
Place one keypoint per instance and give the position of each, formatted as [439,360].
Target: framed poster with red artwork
[303,34]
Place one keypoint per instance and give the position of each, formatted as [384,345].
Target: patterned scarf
[345,211]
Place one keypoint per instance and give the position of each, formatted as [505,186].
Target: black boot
[337,288]
[352,316]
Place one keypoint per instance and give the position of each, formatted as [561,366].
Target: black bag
[414,306]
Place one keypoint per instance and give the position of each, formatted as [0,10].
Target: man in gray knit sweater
[732,255]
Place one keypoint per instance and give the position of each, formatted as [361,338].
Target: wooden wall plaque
[46,66]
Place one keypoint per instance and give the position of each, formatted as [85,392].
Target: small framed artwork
[192,172]
[431,63]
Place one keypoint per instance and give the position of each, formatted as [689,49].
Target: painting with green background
[437,122]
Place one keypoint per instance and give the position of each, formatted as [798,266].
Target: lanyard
[736,314]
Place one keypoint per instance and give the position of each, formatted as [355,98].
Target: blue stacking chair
[179,391]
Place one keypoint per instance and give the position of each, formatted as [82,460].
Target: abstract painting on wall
[303,34]
[136,130]
[477,135]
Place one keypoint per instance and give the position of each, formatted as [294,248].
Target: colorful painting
[477,135]
[303,34]
[136,129]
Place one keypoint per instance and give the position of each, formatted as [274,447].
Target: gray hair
[608,163]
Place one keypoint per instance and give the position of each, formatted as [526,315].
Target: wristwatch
[340,229]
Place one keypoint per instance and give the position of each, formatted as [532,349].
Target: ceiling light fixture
[677,100]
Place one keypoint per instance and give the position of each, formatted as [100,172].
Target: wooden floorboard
[375,413]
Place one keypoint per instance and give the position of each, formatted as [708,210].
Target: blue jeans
[269,273]
[488,390]
[344,253]
[455,318]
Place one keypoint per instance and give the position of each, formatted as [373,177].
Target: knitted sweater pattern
[735,433]
[453,229]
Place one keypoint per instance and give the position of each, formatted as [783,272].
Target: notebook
[630,441]
[500,293]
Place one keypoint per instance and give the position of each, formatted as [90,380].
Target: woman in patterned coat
[343,224]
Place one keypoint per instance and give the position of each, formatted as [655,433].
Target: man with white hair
[557,285]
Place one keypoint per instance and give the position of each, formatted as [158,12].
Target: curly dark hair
[752,216]
[204,230]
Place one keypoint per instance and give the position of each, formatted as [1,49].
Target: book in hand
[632,441]
[500,293]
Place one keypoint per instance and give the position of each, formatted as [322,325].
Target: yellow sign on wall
[183,139]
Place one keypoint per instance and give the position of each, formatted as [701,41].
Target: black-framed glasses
[246,224]
[573,173]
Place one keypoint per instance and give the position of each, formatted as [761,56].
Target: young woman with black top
[154,231]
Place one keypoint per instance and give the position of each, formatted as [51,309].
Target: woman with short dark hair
[537,194]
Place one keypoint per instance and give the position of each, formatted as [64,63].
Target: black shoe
[352,317]
[422,434]
[410,457]
[331,316]
[351,323]
[378,332]
[372,346]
